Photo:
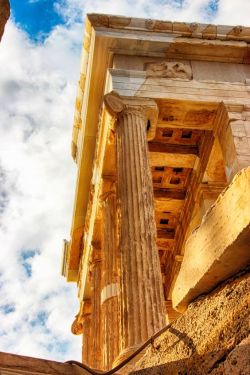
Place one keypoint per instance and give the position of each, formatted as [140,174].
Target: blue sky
[37,17]
[40,62]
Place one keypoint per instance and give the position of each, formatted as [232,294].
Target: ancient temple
[161,220]
[161,129]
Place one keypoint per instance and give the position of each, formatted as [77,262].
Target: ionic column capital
[77,326]
[147,108]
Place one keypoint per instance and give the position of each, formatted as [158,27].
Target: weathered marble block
[219,247]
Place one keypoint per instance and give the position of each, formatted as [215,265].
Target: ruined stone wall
[4,15]
[211,337]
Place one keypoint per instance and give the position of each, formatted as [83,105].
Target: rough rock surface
[211,337]
[4,15]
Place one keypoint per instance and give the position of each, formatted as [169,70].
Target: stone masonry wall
[211,337]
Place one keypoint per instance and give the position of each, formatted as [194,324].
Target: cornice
[97,24]
[193,30]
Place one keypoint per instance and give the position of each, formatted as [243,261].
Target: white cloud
[37,175]
[187,10]
[232,12]
[37,93]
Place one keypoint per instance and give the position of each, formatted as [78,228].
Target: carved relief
[167,69]
[99,20]
[235,32]
[119,21]
[209,32]
[103,20]
[165,26]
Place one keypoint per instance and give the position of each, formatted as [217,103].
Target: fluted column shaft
[96,328]
[82,326]
[86,338]
[110,290]
[142,310]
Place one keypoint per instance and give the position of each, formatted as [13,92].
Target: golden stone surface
[186,87]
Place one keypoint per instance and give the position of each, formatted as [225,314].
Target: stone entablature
[161,129]
[175,37]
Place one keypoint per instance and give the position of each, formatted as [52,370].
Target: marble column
[142,303]
[111,285]
[82,326]
[96,326]
[86,338]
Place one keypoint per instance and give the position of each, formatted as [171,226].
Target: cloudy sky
[39,60]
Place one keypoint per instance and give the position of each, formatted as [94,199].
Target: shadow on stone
[228,361]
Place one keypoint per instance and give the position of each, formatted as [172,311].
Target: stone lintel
[219,247]
[173,160]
